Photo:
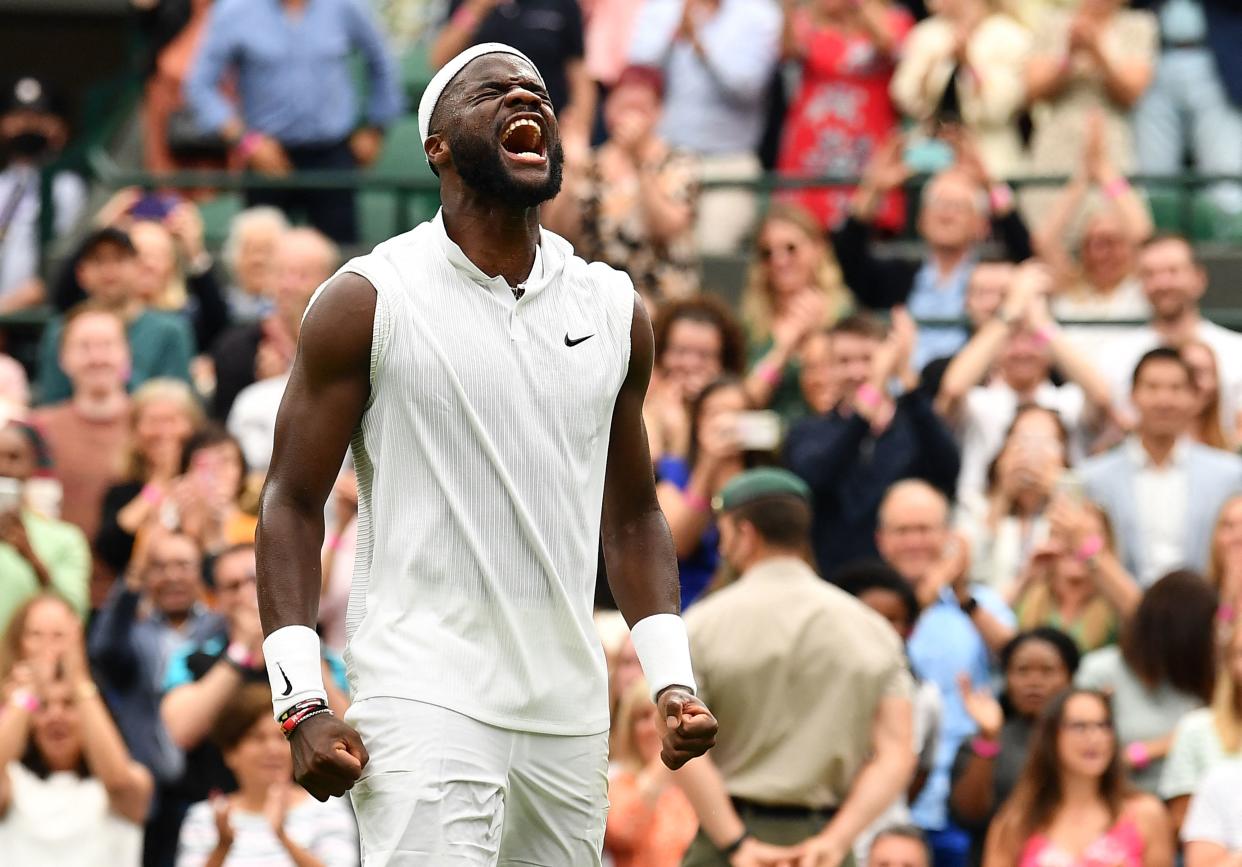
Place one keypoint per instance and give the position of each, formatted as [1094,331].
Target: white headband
[431,96]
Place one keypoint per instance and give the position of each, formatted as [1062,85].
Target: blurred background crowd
[946,263]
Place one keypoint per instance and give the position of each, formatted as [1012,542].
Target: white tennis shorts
[446,790]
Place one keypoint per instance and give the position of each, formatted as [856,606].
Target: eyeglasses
[234,586]
[1083,727]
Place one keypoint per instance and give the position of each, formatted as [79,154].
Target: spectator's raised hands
[887,169]
[276,807]
[982,707]
[222,811]
[805,313]
[185,224]
[116,209]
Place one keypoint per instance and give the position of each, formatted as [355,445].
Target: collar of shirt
[1139,457]
[546,267]
[779,568]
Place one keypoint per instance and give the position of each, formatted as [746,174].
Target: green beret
[759,483]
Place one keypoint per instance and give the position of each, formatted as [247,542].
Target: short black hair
[1161,353]
[1060,642]
[859,576]
[783,521]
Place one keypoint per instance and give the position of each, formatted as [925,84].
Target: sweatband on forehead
[431,96]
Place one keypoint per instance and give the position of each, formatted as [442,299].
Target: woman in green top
[794,289]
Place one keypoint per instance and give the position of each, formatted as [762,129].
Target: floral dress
[615,231]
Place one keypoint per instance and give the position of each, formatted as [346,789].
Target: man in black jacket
[959,207]
[851,456]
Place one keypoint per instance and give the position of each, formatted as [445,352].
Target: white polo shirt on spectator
[1117,358]
[987,413]
[1163,497]
[1215,813]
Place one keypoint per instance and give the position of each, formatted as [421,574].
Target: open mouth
[522,141]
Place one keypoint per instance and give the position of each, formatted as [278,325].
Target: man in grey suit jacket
[1161,490]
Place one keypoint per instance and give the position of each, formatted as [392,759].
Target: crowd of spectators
[962,582]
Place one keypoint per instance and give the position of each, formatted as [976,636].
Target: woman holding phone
[725,439]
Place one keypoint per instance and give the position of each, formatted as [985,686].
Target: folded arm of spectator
[190,709]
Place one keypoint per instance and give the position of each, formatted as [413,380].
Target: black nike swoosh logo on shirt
[575,342]
[288,685]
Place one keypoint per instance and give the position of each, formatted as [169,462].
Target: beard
[479,163]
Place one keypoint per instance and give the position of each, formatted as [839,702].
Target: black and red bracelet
[300,713]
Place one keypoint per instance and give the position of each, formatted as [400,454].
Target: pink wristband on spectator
[984,748]
[151,494]
[25,699]
[1001,197]
[1044,334]
[249,144]
[1090,546]
[240,655]
[1138,755]
[697,501]
[465,17]
[1116,188]
[769,373]
[868,395]
[1225,613]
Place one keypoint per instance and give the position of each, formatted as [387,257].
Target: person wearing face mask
[31,135]
[36,553]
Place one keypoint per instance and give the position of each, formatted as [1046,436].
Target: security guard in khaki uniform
[811,690]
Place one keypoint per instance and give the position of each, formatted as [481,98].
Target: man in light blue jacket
[1162,491]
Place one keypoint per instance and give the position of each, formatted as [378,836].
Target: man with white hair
[491,386]
[248,253]
[957,210]
[303,258]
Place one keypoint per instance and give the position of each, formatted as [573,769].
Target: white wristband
[294,667]
[663,649]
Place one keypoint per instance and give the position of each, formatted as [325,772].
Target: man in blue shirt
[961,625]
[957,209]
[298,104]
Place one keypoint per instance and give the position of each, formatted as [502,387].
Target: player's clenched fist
[689,727]
[328,756]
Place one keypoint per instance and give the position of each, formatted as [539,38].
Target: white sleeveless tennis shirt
[480,459]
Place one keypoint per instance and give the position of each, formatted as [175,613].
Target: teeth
[521,122]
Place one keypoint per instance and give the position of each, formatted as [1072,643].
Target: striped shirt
[480,458]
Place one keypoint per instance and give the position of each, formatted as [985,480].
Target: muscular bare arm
[327,391]
[638,547]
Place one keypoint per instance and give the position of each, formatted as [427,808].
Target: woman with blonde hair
[650,821]
[794,289]
[1207,736]
[1224,571]
[1208,427]
[165,414]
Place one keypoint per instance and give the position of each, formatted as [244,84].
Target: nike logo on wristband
[288,685]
